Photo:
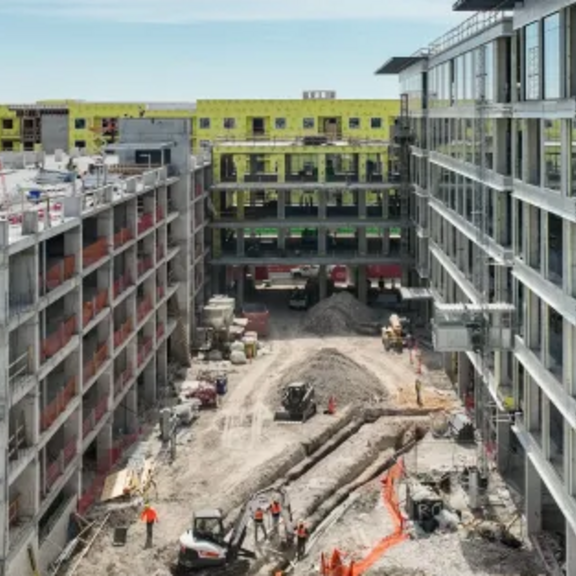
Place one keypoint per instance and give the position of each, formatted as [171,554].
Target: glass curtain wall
[552,87]
[532,59]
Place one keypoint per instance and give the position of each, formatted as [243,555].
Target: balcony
[122,237]
[122,334]
[20,371]
[96,362]
[58,465]
[260,177]
[143,308]
[93,307]
[51,345]
[58,405]
[122,380]
[94,252]
[94,416]
[18,444]
[144,349]
[145,263]
[145,222]
[57,274]
[122,284]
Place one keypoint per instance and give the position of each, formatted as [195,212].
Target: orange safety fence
[95,363]
[122,333]
[143,309]
[122,237]
[93,307]
[94,416]
[59,273]
[336,567]
[145,222]
[58,466]
[122,284]
[95,252]
[58,405]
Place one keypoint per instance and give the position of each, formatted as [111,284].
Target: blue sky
[183,50]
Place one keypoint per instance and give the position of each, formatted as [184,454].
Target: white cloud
[190,11]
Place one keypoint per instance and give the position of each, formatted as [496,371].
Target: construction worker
[150,517]
[259,523]
[301,539]
[418,389]
[275,510]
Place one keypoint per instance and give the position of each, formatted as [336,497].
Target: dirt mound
[334,374]
[341,314]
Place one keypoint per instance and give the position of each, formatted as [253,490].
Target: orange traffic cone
[331,405]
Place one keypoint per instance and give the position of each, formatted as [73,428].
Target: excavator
[206,549]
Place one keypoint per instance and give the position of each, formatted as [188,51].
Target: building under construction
[101,289]
[325,196]
[492,111]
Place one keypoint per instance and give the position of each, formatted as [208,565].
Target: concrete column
[532,407]
[545,426]
[531,146]
[569,361]
[281,207]
[386,242]
[532,320]
[131,411]
[322,202]
[545,334]
[362,241]
[149,377]
[361,195]
[385,205]
[104,445]
[322,282]
[282,239]
[544,244]
[533,500]
[362,284]
[240,242]
[240,289]
[322,241]
[503,440]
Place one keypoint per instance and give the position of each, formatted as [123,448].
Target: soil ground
[221,456]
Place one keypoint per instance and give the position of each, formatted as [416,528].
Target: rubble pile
[339,315]
[334,374]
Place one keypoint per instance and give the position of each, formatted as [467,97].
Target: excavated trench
[321,473]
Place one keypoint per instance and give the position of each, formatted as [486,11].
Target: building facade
[69,124]
[327,192]
[492,110]
[100,290]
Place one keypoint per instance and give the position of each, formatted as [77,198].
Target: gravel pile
[339,315]
[334,374]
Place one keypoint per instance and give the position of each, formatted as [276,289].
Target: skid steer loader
[298,403]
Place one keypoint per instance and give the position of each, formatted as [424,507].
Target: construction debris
[334,375]
[339,315]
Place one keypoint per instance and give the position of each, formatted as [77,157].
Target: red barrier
[58,405]
[122,237]
[145,222]
[58,274]
[95,252]
[121,285]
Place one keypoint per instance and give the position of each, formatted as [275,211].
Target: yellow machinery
[393,334]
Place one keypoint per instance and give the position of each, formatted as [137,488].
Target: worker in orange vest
[301,539]
[259,523]
[150,517]
[275,511]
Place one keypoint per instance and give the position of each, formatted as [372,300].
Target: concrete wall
[54,133]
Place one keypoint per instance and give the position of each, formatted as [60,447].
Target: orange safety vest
[275,509]
[302,532]
[259,515]
[149,515]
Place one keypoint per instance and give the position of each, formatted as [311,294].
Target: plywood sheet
[115,485]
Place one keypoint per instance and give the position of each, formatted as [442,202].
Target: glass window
[552,154]
[229,123]
[490,76]
[573,158]
[280,123]
[80,124]
[80,144]
[376,123]
[460,78]
[354,123]
[308,123]
[204,123]
[469,76]
[552,87]
[532,59]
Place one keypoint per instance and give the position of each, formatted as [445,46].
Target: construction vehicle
[394,336]
[206,549]
[298,403]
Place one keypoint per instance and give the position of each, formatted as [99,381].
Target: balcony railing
[144,350]
[94,416]
[143,309]
[51,345]
[145,222]
[121,335]
[94,252]
[49,414]
[93,307]
[96,362]
[122,237]
[122,380]
[122,284]
[58,466]
[20,368]
[17,442]
[57,274]
[145,263]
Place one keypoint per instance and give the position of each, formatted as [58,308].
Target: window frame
[7,123]
[378,122]
[354,123]
[308,123]
[280,123]
[80,123]
[229,123]
[204,123]
[77,142]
